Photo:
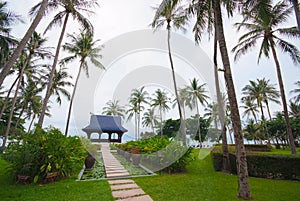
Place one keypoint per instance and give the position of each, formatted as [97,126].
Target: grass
[65,190]
[202,183]
[133,171]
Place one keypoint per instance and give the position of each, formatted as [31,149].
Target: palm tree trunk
[160,115]
[23,42]
[7,96]
[49,86]
[198,125]
[182,122]
[72,99]
[12,109]
[19,117]
[297,12]
[241,161]
[283,98]
[226,163]
[269,111]
[31,123]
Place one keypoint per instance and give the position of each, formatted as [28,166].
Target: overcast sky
[116,17]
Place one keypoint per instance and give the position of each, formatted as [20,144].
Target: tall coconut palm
[241,161]
[161,101]
[132,110]
[250,108]
[113,108]
[34,51]
[296,91]
[7,41]
[174,15]
[270,94]
[197,95]
[83,47]
[150,119]
[264,26]
[137,98]
[71,8]
[60,82]
[212,111]
[39,13]
[184,100]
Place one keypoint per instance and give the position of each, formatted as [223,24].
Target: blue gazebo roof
[105,124]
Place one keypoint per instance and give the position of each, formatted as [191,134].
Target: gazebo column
[109,137]
[88,135]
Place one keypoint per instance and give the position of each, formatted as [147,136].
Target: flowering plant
[135,150]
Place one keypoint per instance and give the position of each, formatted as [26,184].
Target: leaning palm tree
[83,47]
[197,95]
[296,91]
[161,101]
[133,110]
[112,107]
[150,119]
[39,13]
[137,98]
[250,107]
[71,8]
[174,15]
[264,25]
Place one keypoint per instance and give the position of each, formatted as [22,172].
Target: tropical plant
[263,24]
[250,108]
[71,8]
[150,119]
[82,46]
[197,95]
[39,13]
[137,98]
[296,91]
[294,110]
[113,108]
[174,15]
[161,101]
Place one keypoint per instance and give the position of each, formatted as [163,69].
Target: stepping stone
[139,198]
[117,175]
[128,193]
[122,181]
[116,171]
[124,186]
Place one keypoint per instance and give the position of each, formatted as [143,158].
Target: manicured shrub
[160,153]
[265,166]
[45,155]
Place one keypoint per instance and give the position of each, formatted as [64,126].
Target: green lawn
[65,190]
[200,183]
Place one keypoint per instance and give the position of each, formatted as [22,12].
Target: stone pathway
[122,189]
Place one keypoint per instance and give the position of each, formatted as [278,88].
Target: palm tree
[39,13]
[264,25]
[184,100]
[212,111]
[150,119]
[113,108]
[250,108]
[254,92]
[137,98]
[70,8]
[83,47]
[269,93]
[296,91]
[241,161]
[294,109]
[174,15]
[161,101]
[197,95]
[131,111]
[7,18]
[60,82]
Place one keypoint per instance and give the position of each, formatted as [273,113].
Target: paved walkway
[122,189]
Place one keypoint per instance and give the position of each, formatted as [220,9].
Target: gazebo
[105,124]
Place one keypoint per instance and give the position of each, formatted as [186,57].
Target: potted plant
[89,162]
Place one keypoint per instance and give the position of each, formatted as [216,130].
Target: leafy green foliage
[45,152]
[264,165]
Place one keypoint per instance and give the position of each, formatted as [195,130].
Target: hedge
[265,166]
